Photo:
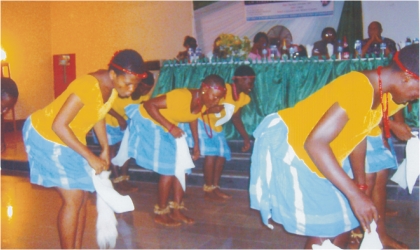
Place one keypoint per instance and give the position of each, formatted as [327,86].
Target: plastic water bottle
[264,51]
[339,50]
[291,51]
[383,48]
[197,53]
[358,47]
[190,55]
[273,52]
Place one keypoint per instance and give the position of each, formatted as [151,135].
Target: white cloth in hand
[103,186]
[229,109]
[122,155]
[183,160]
[409,170]
[371,240]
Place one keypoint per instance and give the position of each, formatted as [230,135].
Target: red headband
[216,87]
[141,76]
[403,68]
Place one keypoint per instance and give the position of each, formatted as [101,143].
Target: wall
[32,32]
[399,19]
[95,31]
[25,36]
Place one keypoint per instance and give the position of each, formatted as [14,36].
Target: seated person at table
[297,177]
[189,42]
[260,43]
[372,45]
[328,36]
[217,53]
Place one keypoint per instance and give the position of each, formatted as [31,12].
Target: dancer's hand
[247,145]
[176,132]
[98,164]
[196,152]
[364,209]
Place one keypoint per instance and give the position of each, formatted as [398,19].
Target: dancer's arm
[152,107]
[100,131]
[194,132]
[318,147]
[121,121]
[239,125]
[61,127]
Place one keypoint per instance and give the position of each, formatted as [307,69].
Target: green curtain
[278,85]
[351,23]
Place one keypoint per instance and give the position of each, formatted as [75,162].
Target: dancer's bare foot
[166,220]
[221,194]
[212,196]
[162,217]
[178,216]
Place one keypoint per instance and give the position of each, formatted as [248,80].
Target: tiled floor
[29,214]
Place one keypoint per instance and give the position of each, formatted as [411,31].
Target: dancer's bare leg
[209,173]
[177,204]
[379,199]
[162,212]
[70,214]
[217,174]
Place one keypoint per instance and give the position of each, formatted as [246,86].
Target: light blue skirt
[152,147]
[215,146]
[284,189]
[54,165]
[378,157]
[114,135]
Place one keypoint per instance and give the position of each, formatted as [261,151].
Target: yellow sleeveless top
[354,93]
[93,110]
[178,108]
[243,100]
[119,105]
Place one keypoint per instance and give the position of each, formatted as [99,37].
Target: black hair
[259,35]
[213,80]
[150,79]
[127,59]
[190,41]
[378,23]
[244,70]
[325,30]
[9,87]
[409,57]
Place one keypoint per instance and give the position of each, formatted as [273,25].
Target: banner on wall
[269,10]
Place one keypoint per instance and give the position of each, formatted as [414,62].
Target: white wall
[399,19]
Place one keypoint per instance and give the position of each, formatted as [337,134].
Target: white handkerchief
[183,160]
[327,244]
[412,157]
[112,198]
[229,109]
[122,155]
[400,176]
[371,240]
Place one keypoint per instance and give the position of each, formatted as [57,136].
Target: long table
[278,84]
